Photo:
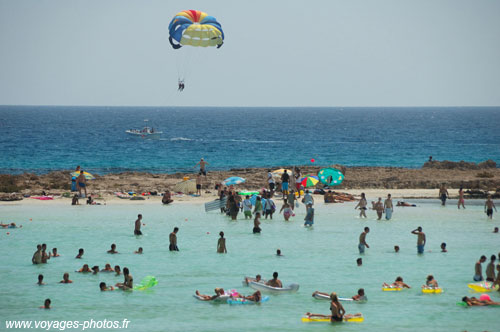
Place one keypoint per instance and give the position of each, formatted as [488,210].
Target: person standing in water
[362,206]
[379,207]
[478,269]
[137,229]
[490,269]
[256,223]
[309,219]
[461,200]
[420,239]
[247,207]
[489,206]
[388,207]
[362,241]
[443,194]
[221,244]
[173,240]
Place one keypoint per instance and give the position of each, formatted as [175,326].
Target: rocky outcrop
[463,165]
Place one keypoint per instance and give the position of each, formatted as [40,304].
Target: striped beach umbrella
[309,181]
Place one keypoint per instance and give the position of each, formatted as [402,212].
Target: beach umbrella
[186,187]
[233,180]
[88,176]
[330,176]
[279,172]
[309,181]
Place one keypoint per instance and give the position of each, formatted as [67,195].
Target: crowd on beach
[263,205]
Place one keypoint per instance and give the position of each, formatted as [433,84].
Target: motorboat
[146,132]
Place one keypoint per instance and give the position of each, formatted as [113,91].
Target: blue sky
[276,53]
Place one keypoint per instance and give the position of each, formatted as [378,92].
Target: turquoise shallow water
[322,258]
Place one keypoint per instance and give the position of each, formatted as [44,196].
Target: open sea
[44,138]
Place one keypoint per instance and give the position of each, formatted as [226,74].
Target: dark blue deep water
[43,138]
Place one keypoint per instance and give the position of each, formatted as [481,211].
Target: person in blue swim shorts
[81,183]
[285,179]
[362,241]
[420,239]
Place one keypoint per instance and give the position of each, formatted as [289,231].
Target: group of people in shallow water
[42,255]
[491,276]
[381,208]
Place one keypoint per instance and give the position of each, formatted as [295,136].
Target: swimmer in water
[128,282]
[400,203]
[46,304]
[475,302]
[139,251]
[107,268]
[85,269]
[443,247]
[66,279]
[275,282]
[495,230]
[278,252]
[40,280]
[103,287]
[218,292]
[80,253]
[113,249]
[37,256]
[396,248]
[360,296]
[118,270]
[257,278]
[396,284]
[430,282]
[359,261]
[11,225]
[337,310]
[54,253]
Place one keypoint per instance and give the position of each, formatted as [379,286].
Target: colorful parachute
[195,28]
